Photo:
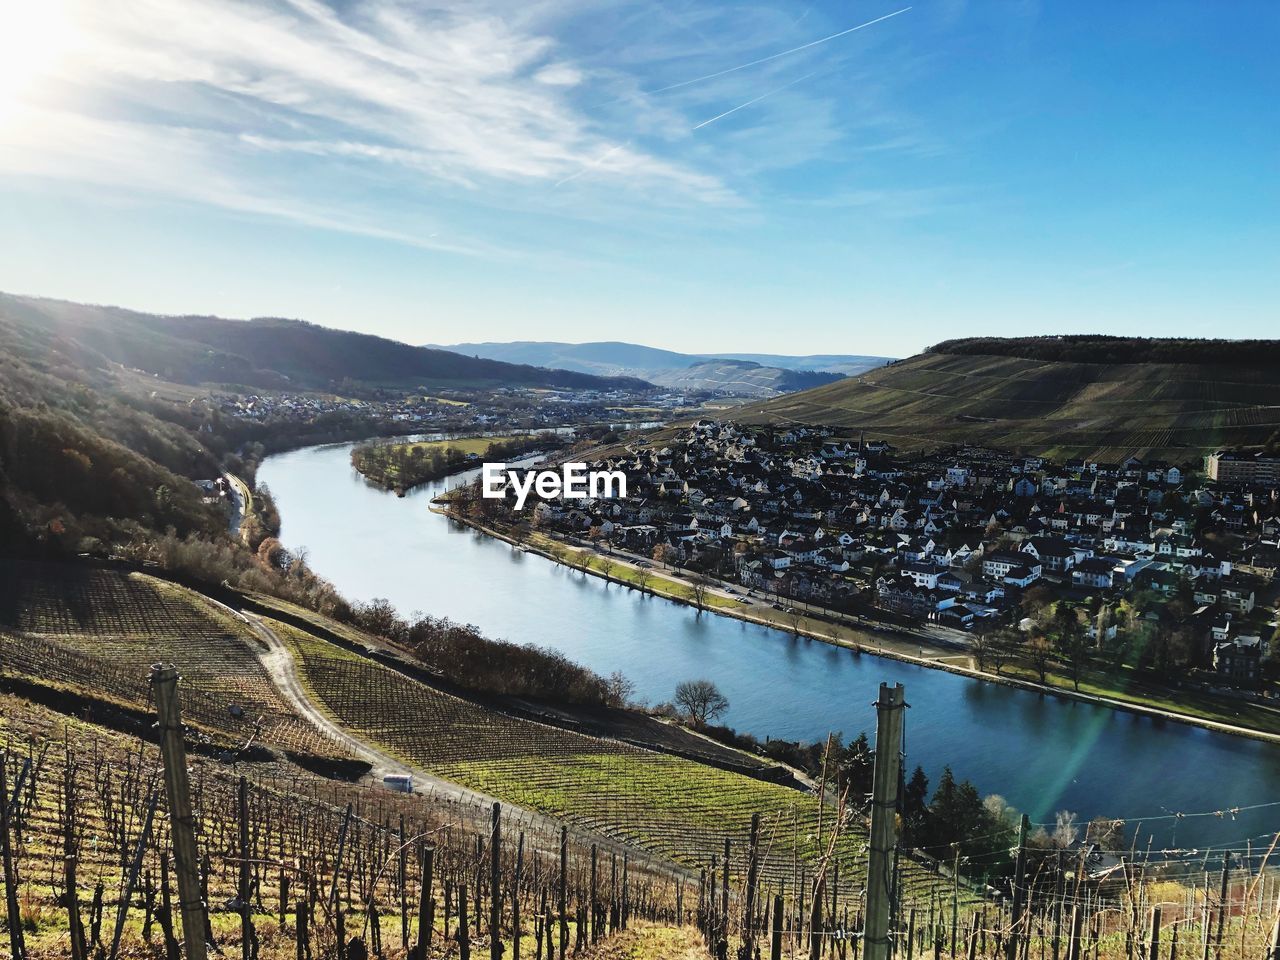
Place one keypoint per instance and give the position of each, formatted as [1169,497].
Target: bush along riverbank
[400,467]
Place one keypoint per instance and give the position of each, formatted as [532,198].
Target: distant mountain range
[268,353]
[1073,396]
[746,374]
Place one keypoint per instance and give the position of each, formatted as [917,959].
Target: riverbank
[884,641]
[401,467]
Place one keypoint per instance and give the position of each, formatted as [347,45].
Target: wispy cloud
[386,118]
[453,95]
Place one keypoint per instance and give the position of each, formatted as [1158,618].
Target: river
[1043,754]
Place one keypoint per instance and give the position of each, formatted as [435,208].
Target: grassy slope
[672,807]
[1176,411]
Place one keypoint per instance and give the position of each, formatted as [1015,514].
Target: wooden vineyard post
[515,900]
[17,944]
[1222,904]
[613,894]
[182,830]
[247,934]
[495,884]
[301,931]
[562,893]
[1153,946]
[426,901]
[594,898]
[626,890]
[1019,879]
[1073,942]
[403,879]
[775,935]
[753,877]
[464,935]
[890,710]
[724,893]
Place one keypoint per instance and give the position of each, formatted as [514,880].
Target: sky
[866,176]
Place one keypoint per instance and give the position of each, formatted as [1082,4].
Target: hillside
[264,353]
[311,690]
[746,374]
[740,377]
[1064,397]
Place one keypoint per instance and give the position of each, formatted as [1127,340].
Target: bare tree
[619,691]
[1003,647]
[796,618]
[606,568]
[1040,653]
[699,587]
[701,700]
[643,577]
[582,561]
[982,647]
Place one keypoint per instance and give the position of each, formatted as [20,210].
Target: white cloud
[455,95]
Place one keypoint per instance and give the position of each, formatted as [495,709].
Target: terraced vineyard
[98,630]
[675,808]
[306,840]
[1107,411]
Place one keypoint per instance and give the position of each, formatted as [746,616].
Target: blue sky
[559,169]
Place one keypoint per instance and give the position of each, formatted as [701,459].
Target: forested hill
[1103,397]
[262,353]
[1099,348]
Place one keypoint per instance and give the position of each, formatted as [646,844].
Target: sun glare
[35,37]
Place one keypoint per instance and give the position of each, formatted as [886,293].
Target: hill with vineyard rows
[1099,397]
[82,639]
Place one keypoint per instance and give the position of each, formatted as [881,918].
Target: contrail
[775,56]
[591,164]
[754,100]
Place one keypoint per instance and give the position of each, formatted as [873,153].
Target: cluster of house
[457,409]
[957,537]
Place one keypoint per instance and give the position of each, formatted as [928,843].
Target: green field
[1102,410]
[467,445]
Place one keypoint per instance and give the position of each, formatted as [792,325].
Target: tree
[701,701]
[796,618]
[1005,644]
[643,577]
[606,568]
[699,588]
[619,691]
[1036,601]
[1072,644]
[1039,653]
[915,808]
[855,764]
[662,553]
[982,645]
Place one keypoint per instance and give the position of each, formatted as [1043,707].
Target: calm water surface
[1042,753]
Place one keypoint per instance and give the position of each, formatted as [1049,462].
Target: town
[1166,567]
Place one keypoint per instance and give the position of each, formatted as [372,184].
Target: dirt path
[282,668]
